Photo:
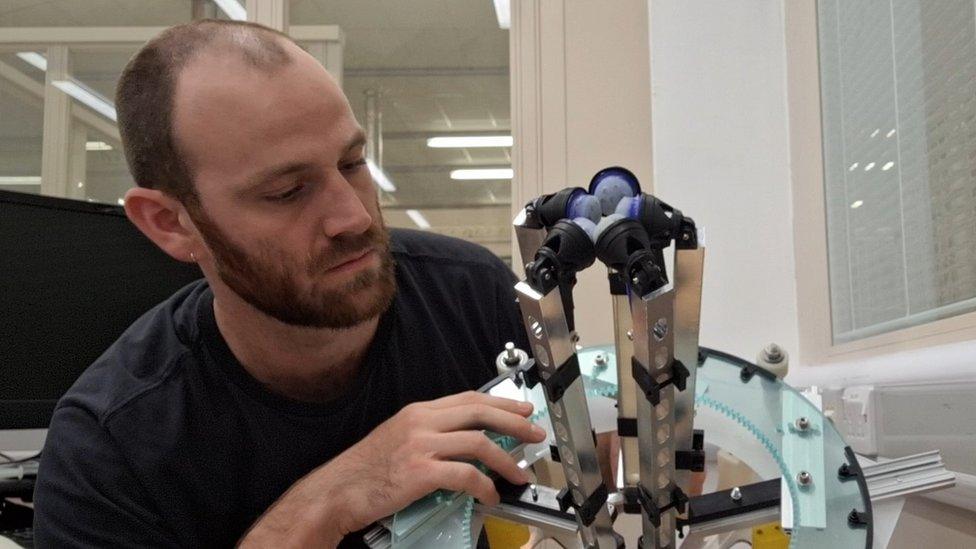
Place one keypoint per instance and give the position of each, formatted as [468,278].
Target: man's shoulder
[420,247]
[142,359]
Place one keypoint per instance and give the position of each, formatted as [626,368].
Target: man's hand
[405,458]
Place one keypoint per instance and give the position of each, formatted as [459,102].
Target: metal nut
[736,494]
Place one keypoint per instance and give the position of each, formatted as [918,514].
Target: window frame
[810,220]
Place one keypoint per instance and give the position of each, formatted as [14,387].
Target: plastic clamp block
[588,510]
[560,380]
[554,453]
[632,505]
[845,473]
[618,284]
[679,502]
[694,459]
[652,389]
[627,426]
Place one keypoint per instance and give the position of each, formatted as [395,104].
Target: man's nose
[344,210]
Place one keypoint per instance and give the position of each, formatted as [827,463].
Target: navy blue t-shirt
[167,441]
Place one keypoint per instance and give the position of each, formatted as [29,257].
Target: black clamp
[627,426]
[678,502]
[557,383]
[588,510]
[651,388]
[694,459]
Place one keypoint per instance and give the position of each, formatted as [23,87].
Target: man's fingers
[473,397]
[475,445]
[470,417]
[464,477]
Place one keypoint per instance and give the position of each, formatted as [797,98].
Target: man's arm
[410,455]
[86,494]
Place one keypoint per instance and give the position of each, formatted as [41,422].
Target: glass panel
[99,13]
[437,68]
[21,125]
[898,89]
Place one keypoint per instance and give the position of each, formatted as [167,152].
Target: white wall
[721,155]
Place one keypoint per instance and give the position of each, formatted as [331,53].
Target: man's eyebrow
[277,172]
[358,140]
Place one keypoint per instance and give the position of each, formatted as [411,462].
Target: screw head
[736,494]
[804,478]
[802,423]
[630,335]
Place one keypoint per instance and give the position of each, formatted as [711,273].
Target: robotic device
[662,376]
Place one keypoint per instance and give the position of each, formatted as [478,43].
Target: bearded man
[319,378]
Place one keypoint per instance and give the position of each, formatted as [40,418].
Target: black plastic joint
[554,453]
[679,502]
[618,285]
[651,388]
[694,459]
[627,426]
[564,376]
[632,504]
[588,511]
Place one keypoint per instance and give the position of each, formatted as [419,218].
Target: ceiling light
[875,133]
[379,176]
[503,11]
[853,167]
[20,180]
[233,9]
[97,146]
[889,134]
[857,204]
[869,167]
[482,173]
[33,58]
[469,141]
[419,219]
[887,166]
[90,98]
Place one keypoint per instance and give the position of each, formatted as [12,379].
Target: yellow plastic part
[503,534]
[769,536]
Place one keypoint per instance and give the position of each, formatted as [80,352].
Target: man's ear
[163,219]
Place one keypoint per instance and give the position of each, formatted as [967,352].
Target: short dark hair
[145,95]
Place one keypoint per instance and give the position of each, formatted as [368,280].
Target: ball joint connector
[611,220]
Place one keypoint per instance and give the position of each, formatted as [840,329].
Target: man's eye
[287,195]
[354,165]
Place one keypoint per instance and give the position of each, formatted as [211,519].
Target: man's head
[250,162]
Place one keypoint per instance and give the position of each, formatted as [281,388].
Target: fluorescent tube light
[482,173]
[97,146]
[469,141]
[382,181]
[503,11]
[419,219]
[20,180]
[857,204]
[233,9]
[33,58]
[90,98]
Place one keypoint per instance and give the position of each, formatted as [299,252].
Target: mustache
[347,247]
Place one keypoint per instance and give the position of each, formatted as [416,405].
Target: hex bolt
[736,494]
[511,357]
[535,492]
[599,360]
[804,478]
[773,353]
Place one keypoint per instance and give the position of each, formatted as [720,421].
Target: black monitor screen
[73,276]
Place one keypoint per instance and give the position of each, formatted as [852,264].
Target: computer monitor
[73,276]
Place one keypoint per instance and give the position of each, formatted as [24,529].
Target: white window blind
[898,98]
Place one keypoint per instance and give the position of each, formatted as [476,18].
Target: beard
[267,278]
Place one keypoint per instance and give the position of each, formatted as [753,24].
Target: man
[300,392]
